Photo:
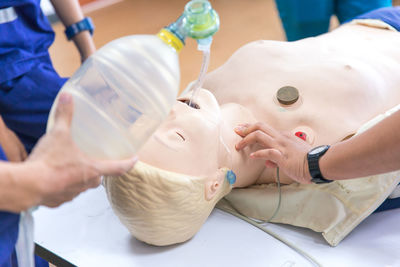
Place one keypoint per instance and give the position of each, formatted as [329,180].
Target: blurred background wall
[242,21]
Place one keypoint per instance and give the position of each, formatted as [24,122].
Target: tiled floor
[241,22]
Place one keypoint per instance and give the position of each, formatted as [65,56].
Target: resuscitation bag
[125,90]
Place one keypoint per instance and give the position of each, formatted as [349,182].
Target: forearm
[19,190]
[56,170]
[375,151]
[69,12]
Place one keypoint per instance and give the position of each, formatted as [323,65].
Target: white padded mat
[85,232]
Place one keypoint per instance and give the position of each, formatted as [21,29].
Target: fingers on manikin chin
[256,137]
[272,155]
[270,164]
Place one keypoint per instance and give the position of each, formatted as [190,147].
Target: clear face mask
[215,144]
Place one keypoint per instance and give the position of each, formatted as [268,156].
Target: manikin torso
[344,78]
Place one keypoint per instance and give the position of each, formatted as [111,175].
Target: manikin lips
[189,103]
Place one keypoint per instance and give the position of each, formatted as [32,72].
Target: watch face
[317,150]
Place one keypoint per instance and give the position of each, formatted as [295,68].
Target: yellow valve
[170,39]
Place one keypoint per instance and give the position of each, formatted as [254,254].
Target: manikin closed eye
[181,136]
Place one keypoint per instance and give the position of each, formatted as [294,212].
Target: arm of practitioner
[377,150]
[56,171]
[12,146]
[69,12]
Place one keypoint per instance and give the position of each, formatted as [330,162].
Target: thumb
[269,154]
[64,110]
[115,167]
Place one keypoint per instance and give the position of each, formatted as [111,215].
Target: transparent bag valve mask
[214,142]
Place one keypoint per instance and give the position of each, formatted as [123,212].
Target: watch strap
[313,165]
[84,25]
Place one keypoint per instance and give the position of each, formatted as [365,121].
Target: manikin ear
[214,183]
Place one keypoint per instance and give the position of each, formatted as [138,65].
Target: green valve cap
[200,19]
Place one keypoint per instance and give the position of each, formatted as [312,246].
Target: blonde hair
[161,207]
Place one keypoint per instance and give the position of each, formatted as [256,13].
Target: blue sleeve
[390,15]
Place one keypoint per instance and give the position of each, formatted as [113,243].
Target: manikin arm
[377,150]
[69,12]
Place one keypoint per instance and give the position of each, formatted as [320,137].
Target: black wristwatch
[313,164]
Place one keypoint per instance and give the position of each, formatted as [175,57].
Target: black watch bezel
[313,157]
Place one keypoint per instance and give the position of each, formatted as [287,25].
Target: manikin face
[188,141]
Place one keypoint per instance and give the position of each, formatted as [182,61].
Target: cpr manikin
[321,89]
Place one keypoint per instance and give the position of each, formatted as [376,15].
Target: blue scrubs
[9,223]
[25,101]
[306,18]
[28,87]
[28,81]
[8,233]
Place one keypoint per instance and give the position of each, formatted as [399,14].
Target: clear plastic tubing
[200,80]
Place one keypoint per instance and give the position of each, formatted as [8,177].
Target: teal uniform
[307,18]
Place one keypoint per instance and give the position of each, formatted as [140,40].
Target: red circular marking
[301,135]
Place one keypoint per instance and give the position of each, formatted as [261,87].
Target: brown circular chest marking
[287,95]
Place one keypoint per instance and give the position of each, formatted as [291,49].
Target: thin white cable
[276,236]
[258,224]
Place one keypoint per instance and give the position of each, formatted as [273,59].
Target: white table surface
[85,232]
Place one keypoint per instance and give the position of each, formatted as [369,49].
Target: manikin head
[167,197]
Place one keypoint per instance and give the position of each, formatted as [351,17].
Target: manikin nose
[172,113]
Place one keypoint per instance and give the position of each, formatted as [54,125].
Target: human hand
[281,149]
[67,171]
[12,146]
